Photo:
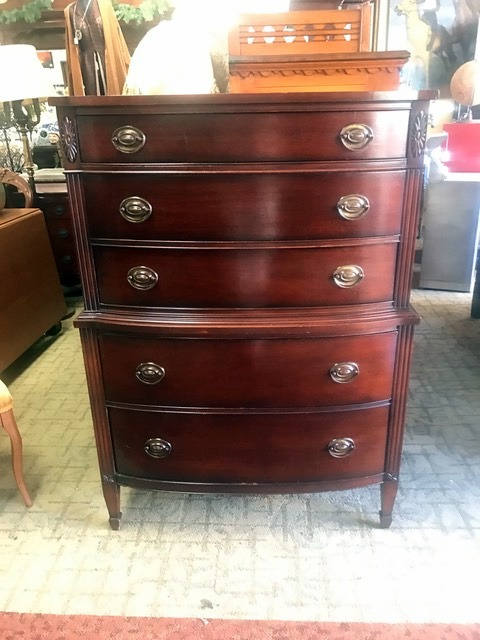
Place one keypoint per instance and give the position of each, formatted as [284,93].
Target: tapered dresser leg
[388,493]
[111,493]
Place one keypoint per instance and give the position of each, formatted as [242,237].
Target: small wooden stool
[7,421]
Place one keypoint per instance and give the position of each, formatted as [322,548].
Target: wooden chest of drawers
[246,264]
[52,199]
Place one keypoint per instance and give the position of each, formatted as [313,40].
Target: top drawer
[244,137]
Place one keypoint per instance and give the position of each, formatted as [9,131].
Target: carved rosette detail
[418,136]
[69,138]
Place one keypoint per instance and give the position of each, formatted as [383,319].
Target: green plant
[29,12]
[146,12]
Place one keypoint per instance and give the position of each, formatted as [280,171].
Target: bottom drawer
[249,447]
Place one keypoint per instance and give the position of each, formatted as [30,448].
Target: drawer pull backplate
[135,209]
[341,447]
[356,136]
[157,448]
[353,206]
[149,373]
[128,139]
[142,278]
[348,275]
[344,371]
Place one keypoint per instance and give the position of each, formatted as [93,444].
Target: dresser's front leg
[388,493]
[111,493]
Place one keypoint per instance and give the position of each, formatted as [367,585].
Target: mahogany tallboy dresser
[246,264]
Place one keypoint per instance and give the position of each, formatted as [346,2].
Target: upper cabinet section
[245,128]
[244,137]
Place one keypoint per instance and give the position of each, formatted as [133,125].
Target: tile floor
[308,557]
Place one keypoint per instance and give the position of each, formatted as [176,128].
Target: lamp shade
[22,75]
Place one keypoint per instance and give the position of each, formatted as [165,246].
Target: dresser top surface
[242,99]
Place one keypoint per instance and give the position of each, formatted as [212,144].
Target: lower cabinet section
[249,447]
[271,414]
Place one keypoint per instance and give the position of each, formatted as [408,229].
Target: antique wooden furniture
[301,32]
[52,199]
[31,300]
[246,263]
[7,422]
[15,180]
[369,71]
[323,50]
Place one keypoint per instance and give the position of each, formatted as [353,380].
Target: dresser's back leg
[388,493]
[111,493]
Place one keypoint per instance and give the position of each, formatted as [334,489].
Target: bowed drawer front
[248,373]
[262,206]
[266,277]
[246,264]
[244,137]
[256,448]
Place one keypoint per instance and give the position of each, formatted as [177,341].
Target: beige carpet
[311,557]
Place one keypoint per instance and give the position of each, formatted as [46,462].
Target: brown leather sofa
[31,300]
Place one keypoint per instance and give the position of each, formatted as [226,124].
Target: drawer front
[244,206]
[245,277]
[249,448]
[248,373]
[243,137]
[54,207]
[60,230]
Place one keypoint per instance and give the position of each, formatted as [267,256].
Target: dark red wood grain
[245,317]
[249,448]
[212,206]
[247,137]
[248,373]
[53,200]
[245,277]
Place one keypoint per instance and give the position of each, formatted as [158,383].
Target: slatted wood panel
[302,32]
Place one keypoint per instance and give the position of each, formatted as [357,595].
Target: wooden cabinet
[31,300]
[52,199]
[325,49]
[246,263]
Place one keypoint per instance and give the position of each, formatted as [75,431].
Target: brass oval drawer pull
[142,278]
[128,139]
[348,275]
[356,136]
[353,206]
[341,447]
[135,209]
[149,373]
[344,371]
[157,448]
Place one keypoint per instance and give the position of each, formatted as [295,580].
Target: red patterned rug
[32,626]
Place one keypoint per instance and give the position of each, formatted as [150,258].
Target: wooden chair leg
[8,422]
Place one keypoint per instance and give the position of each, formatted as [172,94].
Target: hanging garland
[146,12]
[29,12]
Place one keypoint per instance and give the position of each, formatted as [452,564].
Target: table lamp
[23,85]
